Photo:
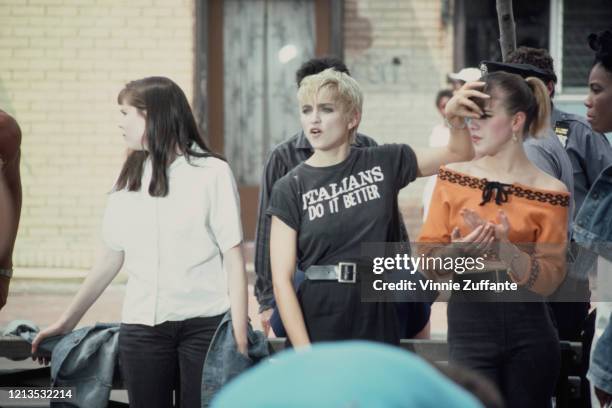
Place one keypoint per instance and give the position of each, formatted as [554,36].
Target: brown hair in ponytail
[522,95]
[541,122]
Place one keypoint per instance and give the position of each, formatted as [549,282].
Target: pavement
[42,294]
[44,300]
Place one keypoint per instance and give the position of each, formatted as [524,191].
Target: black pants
[513,344]
[335,311]
[157,359]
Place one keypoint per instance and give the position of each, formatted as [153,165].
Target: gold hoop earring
[514,138]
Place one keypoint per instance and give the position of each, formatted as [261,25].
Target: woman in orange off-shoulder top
[503,206]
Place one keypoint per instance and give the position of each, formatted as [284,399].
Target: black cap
[524,70]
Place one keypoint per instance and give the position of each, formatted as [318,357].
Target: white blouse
[173,245]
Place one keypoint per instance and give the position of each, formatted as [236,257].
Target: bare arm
[10,207]
[107,265]
[237,282]
[283,244]
[10,195]
[8,215]
[459,147]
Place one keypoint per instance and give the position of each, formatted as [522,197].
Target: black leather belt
[343,272]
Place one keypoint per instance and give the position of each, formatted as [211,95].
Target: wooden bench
[15,348]
[431,350]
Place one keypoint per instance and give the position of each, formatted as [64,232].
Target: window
[573,21]
[561,26]
[477,29]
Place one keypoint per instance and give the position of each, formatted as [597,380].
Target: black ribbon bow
[501,195]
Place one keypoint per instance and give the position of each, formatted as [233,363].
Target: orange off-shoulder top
[536,216]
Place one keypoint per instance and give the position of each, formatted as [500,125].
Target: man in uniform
[10,198]
[589,151]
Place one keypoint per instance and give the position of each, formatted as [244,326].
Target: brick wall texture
[400,51]
[62,63]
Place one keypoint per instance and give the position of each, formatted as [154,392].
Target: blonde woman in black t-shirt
[324,209]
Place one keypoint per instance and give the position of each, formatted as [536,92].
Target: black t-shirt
[335,209]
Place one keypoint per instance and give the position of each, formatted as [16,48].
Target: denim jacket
[27,329]
[592,227]
[224,362]
[600,369]
[84,359]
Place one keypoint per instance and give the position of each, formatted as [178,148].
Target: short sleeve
[542,159]
[225,210]
[111,224]
[285,203]
[403,161]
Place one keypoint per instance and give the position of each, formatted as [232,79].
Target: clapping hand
[476,242]
[501,228]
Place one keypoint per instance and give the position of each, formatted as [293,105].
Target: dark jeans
[157,359]
[513,344]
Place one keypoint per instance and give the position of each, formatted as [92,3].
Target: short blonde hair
[347,91]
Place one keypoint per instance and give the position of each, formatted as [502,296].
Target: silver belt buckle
[346,272]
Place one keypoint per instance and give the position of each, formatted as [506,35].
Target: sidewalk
[42,294]
[44,301]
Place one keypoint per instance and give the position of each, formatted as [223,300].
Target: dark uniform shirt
[589,151]
[549,155]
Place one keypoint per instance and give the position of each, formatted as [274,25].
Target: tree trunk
[507,29]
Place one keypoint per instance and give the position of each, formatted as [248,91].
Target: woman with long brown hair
[172,221]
